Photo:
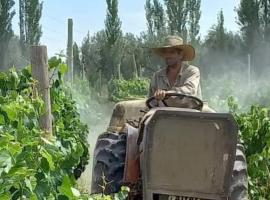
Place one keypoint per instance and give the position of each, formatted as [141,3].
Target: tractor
[177,149]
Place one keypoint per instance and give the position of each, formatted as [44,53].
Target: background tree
[253,18]
[221,49]
[113,33]
[130,64]
[265,15]
[86,55]
[15,56]
[30,28]
[155,17]
[159,18]
[249,22]
[22,22]
[112,23]
[261,61]
[177,14]
[93,52]
[78,70]
[6,31]
[248,19]
[149,14]
[215,39]
[194,15]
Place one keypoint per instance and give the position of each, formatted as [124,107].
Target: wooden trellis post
[40,72]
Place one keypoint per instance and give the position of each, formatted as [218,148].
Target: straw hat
[176,42]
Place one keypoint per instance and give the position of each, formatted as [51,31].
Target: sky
[89,15]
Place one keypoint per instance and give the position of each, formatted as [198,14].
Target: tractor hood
[188,153]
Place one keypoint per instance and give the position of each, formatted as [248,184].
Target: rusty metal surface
[125,111]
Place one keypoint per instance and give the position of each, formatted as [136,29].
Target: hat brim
[189,51]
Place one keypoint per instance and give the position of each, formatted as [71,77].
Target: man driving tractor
[181,77]
[179,150]
[178,75]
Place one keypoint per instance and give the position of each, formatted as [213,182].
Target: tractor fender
[132,161]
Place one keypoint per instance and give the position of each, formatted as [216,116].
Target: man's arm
[191,84]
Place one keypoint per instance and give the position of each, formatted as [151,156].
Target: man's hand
[160,94]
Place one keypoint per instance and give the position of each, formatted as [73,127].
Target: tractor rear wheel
[239,182]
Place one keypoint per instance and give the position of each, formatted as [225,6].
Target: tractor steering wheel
[174,99]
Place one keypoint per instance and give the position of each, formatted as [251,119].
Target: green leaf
[43,189]
[14,77]
[2,119]
[54,62]
[3,76]
[65,188]
[27,71]
[5,161]
[14,148]
[6,196]
[33,197]
[75,192]
[13,94]
[2,100]
[31,183]
[63,68]
[46,141]
[123,194]
[11,112]
[28,184]
[20,171]
[49,159]
[57,83]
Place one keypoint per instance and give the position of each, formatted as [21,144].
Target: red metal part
[132,164]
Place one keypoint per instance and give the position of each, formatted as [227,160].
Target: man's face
[172,56]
